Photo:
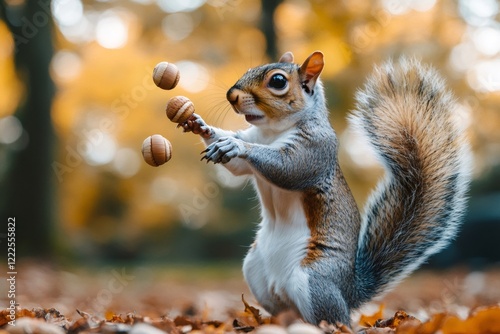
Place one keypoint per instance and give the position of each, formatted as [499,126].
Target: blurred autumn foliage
[72,173]
[480,321]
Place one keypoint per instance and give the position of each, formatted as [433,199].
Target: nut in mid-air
[179,109]
[166,75]
[156,150]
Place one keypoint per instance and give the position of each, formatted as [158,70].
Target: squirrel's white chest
[273,267]
[283,234]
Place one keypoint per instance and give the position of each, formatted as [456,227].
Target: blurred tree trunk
[268,27]
[29,182]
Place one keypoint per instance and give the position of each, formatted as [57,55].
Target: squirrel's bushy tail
[410,119]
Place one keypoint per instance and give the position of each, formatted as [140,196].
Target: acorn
[156,150]
[166,75]
[179,109]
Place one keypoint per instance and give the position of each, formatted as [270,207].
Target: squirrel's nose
[232,95]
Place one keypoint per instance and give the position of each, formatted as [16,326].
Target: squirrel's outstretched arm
[210,135]
[292,165]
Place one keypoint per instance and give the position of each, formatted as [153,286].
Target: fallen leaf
[394,322]
[370,320]
[487,319]
[483,320]
[5,315]
[432,325]
[78,326]
[253,311]
[240,327]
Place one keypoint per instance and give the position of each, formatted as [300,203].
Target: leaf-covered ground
[187,300]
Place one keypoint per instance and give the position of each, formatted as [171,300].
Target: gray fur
[406,114]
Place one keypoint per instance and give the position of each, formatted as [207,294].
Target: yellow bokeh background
[106,103]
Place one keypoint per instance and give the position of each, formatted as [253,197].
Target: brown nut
[179,109]
[166,75]
[156,150]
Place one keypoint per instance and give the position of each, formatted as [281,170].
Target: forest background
[77,100]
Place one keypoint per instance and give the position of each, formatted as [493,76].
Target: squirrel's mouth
[253,118]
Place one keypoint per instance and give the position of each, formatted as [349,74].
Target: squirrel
[314,252]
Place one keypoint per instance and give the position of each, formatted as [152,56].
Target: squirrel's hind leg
[329,303]
[256,278]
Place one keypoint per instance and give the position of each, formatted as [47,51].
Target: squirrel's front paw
[225,149]
[196,125]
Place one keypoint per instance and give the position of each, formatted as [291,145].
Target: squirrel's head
[273,92]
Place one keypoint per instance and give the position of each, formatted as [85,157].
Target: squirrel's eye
[278,81]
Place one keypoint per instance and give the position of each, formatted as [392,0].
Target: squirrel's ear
[286,58]
[311,69]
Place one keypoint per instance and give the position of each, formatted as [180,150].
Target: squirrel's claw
[223,150]
[205,157]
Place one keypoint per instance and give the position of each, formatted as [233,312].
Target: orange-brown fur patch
[274,106]
[330,214]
